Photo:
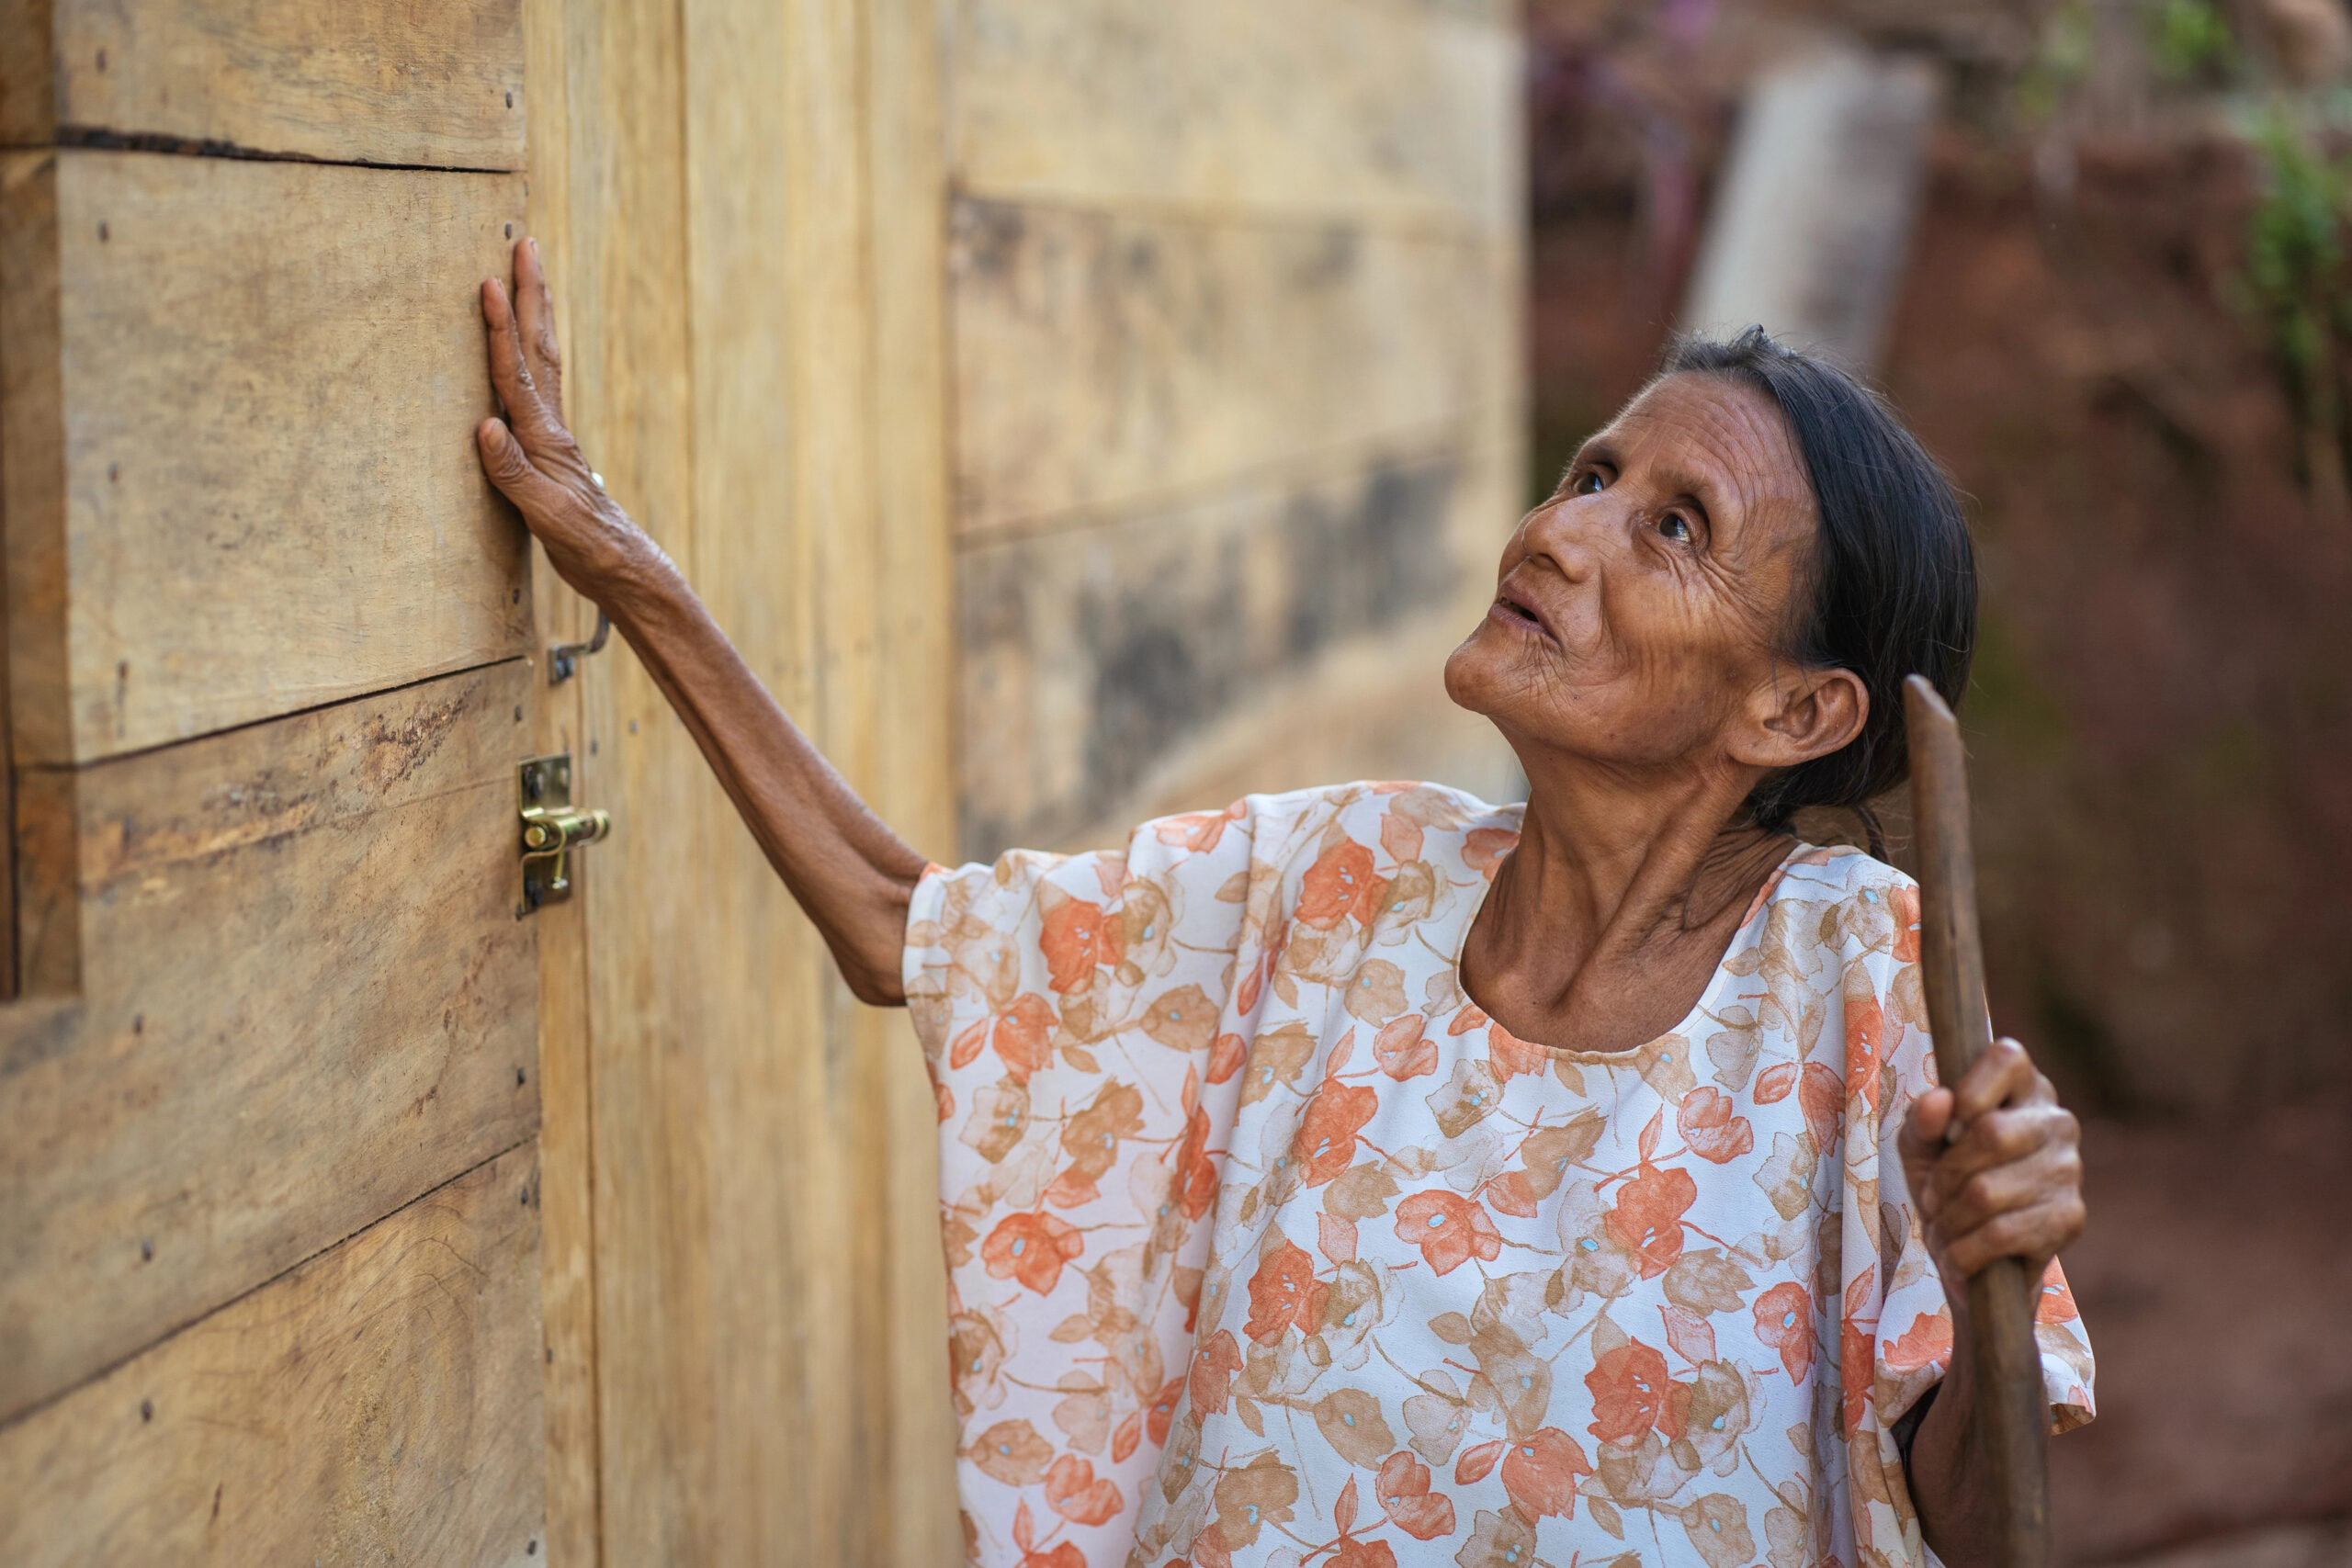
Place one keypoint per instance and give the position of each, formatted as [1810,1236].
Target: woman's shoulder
[1843,897]
[1844,869]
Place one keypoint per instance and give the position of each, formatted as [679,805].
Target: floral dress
[1268,1245]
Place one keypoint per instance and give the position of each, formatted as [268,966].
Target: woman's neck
[1605,924]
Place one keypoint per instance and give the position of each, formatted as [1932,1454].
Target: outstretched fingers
[510,377]
[535,312]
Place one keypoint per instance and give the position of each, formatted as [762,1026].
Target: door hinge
[552,829]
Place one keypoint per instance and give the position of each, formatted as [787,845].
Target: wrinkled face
[1640,608]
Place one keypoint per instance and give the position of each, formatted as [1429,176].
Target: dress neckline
[1710,1002]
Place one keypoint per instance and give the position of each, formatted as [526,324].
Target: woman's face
[1639,608]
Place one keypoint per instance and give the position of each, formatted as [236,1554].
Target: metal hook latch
[563,659]
[552,829]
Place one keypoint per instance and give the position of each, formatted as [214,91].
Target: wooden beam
[435,83]
[912,690]
[308,999]
[620,237]
[379,1404]
[567,1146]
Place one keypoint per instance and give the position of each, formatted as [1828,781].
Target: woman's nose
[1565,532]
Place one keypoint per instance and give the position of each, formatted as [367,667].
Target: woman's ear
[1801,714]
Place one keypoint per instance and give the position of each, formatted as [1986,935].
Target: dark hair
[1892,589]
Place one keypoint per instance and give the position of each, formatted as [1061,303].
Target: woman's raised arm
[851,873]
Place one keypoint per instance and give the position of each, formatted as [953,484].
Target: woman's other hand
[531,456]
[2009,1184]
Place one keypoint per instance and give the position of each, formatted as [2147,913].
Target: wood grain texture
[622,241]
[1095,659]
[379,1404]
[432,82]
[567,1144]
[32,449]
[2010,1416]
[269,498]
[27,79]
[734,370]
[776,298]
[307,999]
[913,693]
[1403,114]
[1103,359]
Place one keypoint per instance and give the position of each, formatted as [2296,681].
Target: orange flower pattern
[1267,1246]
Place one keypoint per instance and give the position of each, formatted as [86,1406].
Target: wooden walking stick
[2012,1421]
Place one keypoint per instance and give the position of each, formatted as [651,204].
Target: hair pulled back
[1891,587]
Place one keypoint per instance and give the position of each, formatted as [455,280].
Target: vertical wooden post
[2011,1419]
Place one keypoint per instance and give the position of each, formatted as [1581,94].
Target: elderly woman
[1374,1172]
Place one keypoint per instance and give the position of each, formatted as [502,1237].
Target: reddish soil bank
[2216,1279]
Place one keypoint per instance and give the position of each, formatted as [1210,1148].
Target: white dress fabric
[1267,1247]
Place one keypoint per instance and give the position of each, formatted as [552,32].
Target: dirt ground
[2326,1544]
[2216,1281]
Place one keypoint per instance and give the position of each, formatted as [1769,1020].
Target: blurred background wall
[2095,251]
[1234,303]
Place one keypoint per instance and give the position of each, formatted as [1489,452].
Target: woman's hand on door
[530,455]
[851,875]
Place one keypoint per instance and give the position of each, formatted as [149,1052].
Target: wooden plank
[1395,114]
[733,371]
[566,1148]
[432,82]
[307,999]
[911,692]
[622,243]
[777,306]
[270,372]
[379,1404]
[1103,359]
[32,444]
[27,73]
[1094,659]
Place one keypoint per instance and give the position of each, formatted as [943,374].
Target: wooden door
[269,1086]
[351,1210]
[740,205]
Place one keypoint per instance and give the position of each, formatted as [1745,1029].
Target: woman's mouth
[1511,611]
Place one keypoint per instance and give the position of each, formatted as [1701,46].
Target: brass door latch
[552,829]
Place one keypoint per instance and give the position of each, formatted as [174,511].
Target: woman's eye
[1676,527]
[1586,483]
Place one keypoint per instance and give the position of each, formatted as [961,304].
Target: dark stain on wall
[1165,622]
[1356,569]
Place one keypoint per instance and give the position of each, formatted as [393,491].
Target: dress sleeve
[1077,1014]
[1914,1330]
[1895,1321]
